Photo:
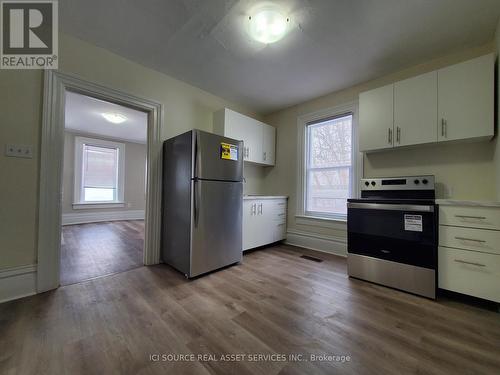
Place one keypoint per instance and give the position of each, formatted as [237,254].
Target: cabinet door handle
[265,155]
[443,128]
[252,211]
[260,209]
[398,134]
[470,217]
[470,263]
[469,239]
[389,136]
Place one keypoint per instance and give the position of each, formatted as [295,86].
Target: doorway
[103,188]
[57,86]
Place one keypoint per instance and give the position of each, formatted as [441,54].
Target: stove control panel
[398,183]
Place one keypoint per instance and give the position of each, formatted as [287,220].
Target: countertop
[247,197]
[453,202]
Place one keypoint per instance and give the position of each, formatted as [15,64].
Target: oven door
[403,233]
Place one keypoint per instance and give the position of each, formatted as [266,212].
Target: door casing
[51,161]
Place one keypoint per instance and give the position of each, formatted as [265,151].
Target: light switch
[19,151]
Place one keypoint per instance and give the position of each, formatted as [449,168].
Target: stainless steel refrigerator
[202,202]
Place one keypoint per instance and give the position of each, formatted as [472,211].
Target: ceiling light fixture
[267,24]
[115,118]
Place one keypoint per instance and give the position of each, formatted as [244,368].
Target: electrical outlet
[19,151]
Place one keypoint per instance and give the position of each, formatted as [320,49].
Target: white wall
[21,97]
[463,171]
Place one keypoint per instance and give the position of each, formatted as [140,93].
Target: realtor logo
[29,35]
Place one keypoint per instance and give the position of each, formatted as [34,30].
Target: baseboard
[94,217]
[17,282]
[318,242]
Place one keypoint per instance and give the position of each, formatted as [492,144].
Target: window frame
[356,157]
[78,201]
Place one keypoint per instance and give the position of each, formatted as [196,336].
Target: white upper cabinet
[268,144]
[376,118]
[259,139]
[449,104]
[466,99]
[415,110]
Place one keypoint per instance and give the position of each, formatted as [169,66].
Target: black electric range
[392,234]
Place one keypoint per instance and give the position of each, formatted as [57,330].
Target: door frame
[51,162]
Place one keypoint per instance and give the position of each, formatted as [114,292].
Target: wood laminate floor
[273,303]
[98,249]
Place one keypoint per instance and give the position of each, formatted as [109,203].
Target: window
[328,170]
[99,169]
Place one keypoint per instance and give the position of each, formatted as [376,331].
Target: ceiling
[332,44]
[83,114]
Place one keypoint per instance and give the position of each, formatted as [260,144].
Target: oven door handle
[391,207]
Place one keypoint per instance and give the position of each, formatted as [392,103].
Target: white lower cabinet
[470,272]
[264,221]
[469,255]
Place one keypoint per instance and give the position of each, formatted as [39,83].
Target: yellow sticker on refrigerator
[228,151]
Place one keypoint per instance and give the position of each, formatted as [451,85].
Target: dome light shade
[115,118]
[267,25]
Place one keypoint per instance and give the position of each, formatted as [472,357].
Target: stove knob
[373,183]
[367,183]
[416,182]
[424,181]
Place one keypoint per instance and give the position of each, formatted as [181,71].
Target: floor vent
[314,259]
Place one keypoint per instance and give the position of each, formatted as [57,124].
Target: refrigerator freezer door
[216,227]
[217,158]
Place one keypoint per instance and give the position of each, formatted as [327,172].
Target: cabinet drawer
[473,217]
[470,272]
[487,241]
[280,233]
[279,217]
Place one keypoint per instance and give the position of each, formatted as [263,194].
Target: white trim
[340,224]
[51,155]
[92,206]
[17,282]
[318,242]
[100,136]
[94,217]
[302,121]
[78,168]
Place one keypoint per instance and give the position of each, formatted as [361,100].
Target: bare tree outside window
[329,166]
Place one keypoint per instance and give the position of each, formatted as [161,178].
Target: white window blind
[329,166]
[100,173]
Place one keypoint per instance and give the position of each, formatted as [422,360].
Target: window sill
[322,218]
[90,206]
[324,222]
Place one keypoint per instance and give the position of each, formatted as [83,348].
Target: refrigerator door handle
[195,153]
[196,200]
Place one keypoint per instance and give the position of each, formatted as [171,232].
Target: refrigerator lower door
[216,225]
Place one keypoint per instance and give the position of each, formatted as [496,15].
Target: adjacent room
[250,187]
[103,188]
